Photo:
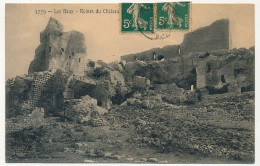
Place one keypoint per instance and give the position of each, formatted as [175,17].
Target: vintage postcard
[166,82]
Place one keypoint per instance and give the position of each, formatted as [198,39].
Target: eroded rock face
[58,49]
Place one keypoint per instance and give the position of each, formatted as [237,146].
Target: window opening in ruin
[160,57]
[153,56]
[238,71]
[193,77]
[79,60]
[192,87]
[223,79]
[208,68]
[49,49]
[62,49]
[70,57]
[179,51]
[72,53]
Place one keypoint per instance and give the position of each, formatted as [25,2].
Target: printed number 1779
[40,12]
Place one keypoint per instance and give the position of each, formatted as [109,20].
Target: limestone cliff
[58,49]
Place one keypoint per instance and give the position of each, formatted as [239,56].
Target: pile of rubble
[173,128]
[172,105]
[84,110]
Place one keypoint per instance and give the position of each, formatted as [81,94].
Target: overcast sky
[102,31]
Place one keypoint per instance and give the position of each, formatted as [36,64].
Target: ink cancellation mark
[137,17]
[173,16]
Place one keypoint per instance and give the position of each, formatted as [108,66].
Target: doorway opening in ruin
[243,89]
[154,57]
[223,80]
[208,68]
[99,103]
[193,80]
[187,80]
[49,49]
[72,53]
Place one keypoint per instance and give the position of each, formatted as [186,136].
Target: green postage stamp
[141,17]
[173,15]
[137,17]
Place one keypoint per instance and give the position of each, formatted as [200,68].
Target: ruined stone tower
[59,50]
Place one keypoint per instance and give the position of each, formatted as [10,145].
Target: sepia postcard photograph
[143,83]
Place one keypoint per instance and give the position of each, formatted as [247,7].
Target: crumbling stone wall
[17,92]
[227,70]
[155,54]
[47,90]
[158,72]
[34,119]
[38,87]
[208,74]
[78,64]
[209,38]
[212,76]
[201,75]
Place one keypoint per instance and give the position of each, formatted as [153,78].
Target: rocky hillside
[193,109]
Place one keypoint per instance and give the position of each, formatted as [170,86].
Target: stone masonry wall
[209,38]
[212,37]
